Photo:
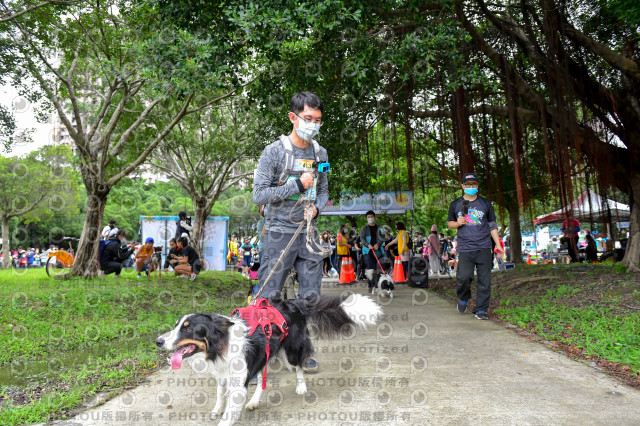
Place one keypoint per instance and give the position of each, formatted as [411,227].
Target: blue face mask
[307,131]
[471,191]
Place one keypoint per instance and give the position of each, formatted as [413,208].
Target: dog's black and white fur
[385,286]
[237,357]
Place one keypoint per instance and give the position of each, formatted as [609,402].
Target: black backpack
[419,273]
[101,248]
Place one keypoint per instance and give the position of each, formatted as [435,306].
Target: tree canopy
[541,97]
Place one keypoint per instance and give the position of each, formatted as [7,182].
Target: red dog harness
[266,316]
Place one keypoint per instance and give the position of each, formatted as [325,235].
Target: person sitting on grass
[189,263]
[114,253]
[143,258]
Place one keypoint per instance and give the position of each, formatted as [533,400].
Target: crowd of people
[439,250]
[28,258]
[117,253]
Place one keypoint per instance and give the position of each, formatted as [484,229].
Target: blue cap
[148,240]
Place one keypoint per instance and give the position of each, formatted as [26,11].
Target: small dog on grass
[156,258]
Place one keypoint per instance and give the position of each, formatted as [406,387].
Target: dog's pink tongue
[176,358]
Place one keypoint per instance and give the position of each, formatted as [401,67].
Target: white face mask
[307,131]
[371,220]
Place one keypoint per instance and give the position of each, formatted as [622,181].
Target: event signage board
[386,202]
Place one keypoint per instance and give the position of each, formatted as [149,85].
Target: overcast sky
[24,114]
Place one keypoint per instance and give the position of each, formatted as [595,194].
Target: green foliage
[78,335]
[619,269]
[208,152]
[41,180]
[7,127]
[237,204]
[38,188]
[596,330]
[133,198]
[347,57]
[128,201]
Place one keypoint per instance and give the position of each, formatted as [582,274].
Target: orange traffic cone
[398,271]
[347,275]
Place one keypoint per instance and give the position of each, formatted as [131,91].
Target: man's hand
[307,180]
[500,251]
[462,221]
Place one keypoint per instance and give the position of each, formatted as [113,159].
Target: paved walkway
[423,364]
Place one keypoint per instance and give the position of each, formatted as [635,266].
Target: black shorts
[196,267]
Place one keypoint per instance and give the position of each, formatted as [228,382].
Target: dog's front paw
[251,405]
[217,410]
[301,389]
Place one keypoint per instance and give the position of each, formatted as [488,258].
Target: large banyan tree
[575,64]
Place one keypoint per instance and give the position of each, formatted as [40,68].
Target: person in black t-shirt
[189,263]
[475,220]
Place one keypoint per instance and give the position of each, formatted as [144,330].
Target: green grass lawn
[64,341]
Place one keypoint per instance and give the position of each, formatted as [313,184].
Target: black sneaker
[482,315]
[462,306]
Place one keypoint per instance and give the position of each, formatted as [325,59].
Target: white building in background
[244,182]
[60,133]
[149,174]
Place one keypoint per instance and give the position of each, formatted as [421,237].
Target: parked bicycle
[61,259]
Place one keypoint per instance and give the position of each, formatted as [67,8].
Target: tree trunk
[199,220]
[6,252]
[86,262]
[462,130]
[515,234]
[407,149]
[632,256]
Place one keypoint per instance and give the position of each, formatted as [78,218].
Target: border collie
[236,357]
